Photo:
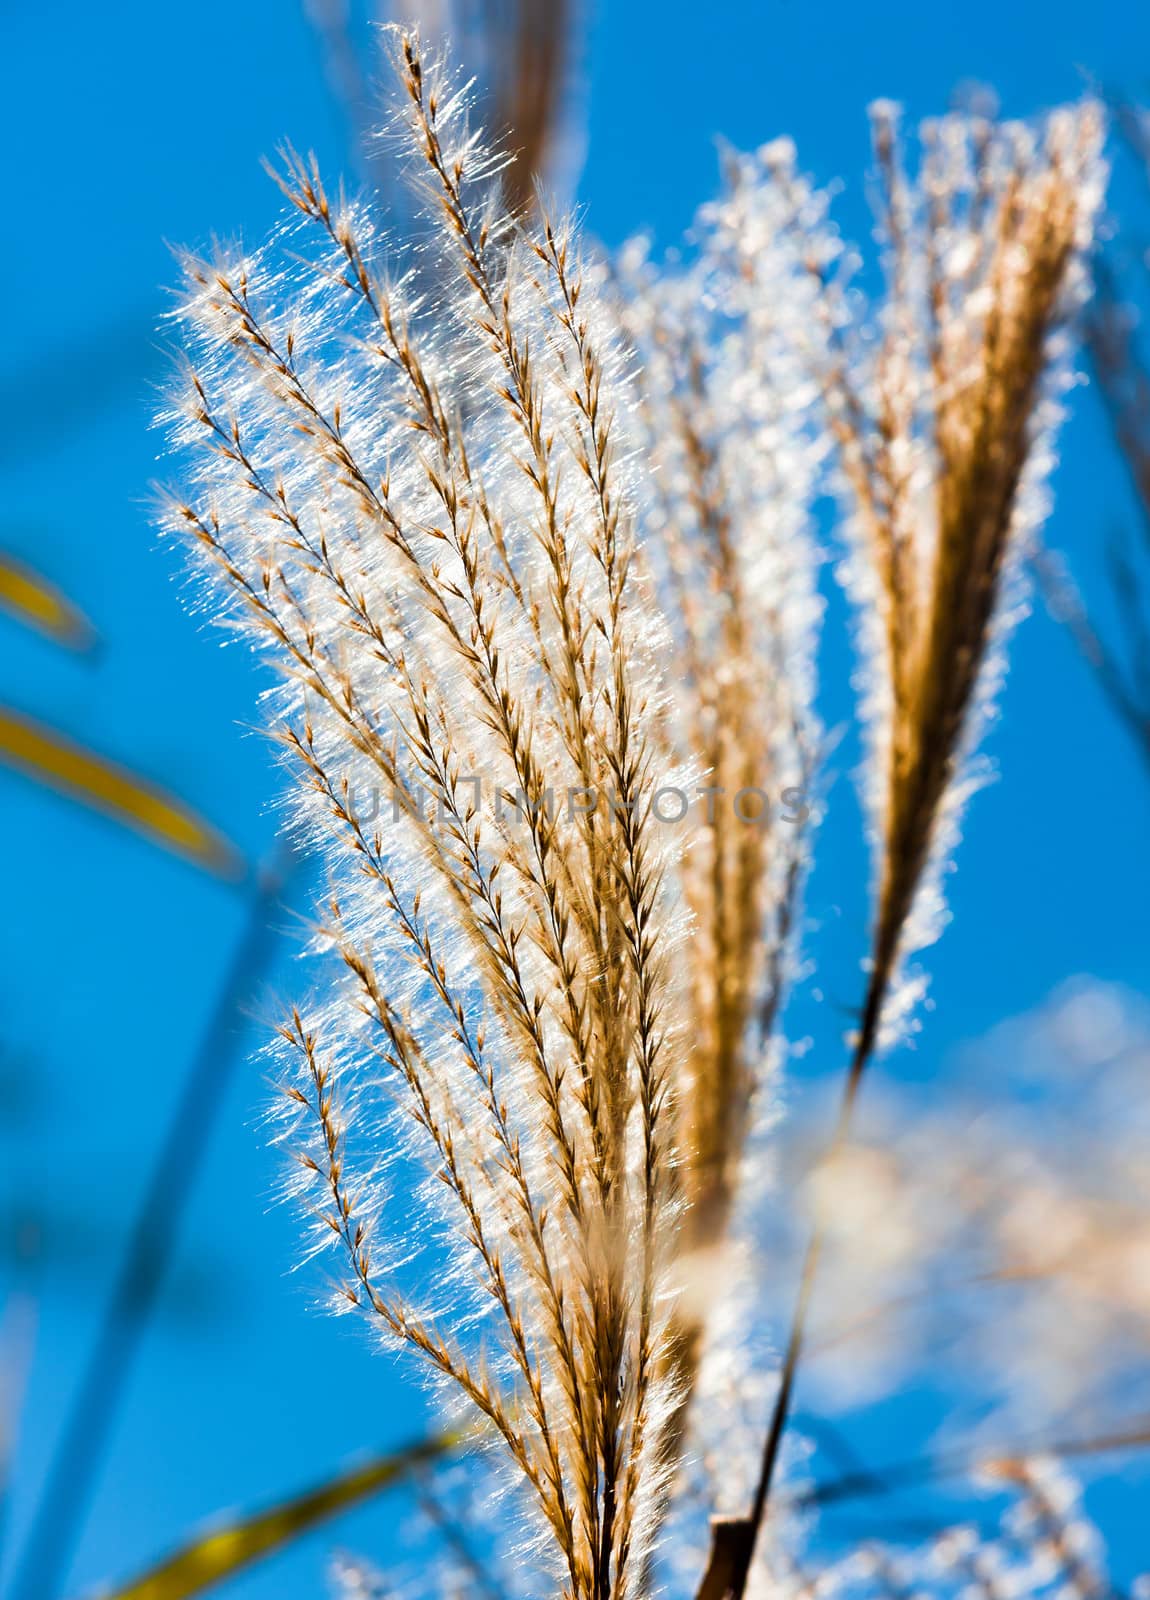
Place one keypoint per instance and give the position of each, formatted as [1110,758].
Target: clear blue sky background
[127,125]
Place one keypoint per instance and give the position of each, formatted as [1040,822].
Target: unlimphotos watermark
[669,804]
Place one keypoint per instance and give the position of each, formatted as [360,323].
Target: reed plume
[423,492]
[942,410]
[945,429]
[522,50]
[728,430]
[422,511]
[727,424]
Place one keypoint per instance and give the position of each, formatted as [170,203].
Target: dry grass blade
[32,599]
[60,763]
[217,1556]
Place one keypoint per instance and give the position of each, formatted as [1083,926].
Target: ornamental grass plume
[942,407]
[727,426]
[729,437]
[424,512]
[521,592]
[945,421]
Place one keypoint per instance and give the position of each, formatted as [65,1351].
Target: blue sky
[131,125]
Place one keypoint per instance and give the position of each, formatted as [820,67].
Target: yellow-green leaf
[226,1550]
[33,600]
[50,758]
